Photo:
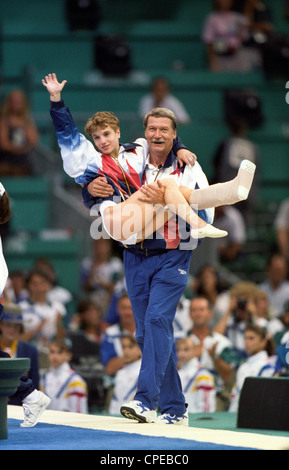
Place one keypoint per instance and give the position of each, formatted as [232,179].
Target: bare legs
[136,217]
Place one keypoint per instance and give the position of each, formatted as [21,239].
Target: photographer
[241,312]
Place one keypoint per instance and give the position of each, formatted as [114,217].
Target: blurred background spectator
[228,156]
[100,272]
[224,34]
[276,283]
[85,335]
[11,328]
[18,135]
[162,97]
[168,44]
[282,228]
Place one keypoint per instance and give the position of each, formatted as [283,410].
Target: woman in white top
[258,364]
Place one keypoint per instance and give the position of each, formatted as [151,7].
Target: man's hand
[53,86]
[153,194]
[187,157]
[99,187]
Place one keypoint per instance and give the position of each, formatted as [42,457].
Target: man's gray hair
[161,112]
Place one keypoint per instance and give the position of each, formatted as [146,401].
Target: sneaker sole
[130,413]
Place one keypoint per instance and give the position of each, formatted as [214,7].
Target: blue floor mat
[58,437]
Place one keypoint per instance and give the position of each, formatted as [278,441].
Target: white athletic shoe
[246,179]
[208,231]
[136,410]
[166,418]
[33,410]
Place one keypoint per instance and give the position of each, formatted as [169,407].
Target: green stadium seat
[30,203]
[21,253]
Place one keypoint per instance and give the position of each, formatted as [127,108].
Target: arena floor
[72,431]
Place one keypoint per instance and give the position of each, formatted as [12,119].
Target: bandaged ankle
[227,193]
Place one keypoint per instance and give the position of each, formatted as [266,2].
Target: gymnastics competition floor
[72,431]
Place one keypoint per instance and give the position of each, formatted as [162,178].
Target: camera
[242,303]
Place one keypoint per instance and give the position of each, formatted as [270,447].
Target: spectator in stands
[212,349]
[101,272]
[277,327]
[282,363]
[57,292]
[198,383]
[263,309]
[42,319]
[182,321]
[126,378]
[260,26]
[209,283]
[18,135]
[224,33]
[241,311]
[230,219]
[260,19]
[111,350]
[259,362]
[111,315]
[228,156]
[66,389]
[11,327]
[16,289]
[85,336]
[276,284]
[282,228]
[161,97]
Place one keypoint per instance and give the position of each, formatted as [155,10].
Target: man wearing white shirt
[161,97]
[276,285]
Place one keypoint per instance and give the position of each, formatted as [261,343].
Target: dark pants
[155,285]
[25,388]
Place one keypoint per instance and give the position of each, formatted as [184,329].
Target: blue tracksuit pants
[155,285]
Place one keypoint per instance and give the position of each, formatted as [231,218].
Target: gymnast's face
[106,140]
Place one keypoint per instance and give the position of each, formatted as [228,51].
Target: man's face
[160,135]
[200,312]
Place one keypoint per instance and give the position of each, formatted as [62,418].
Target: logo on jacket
[182,271]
